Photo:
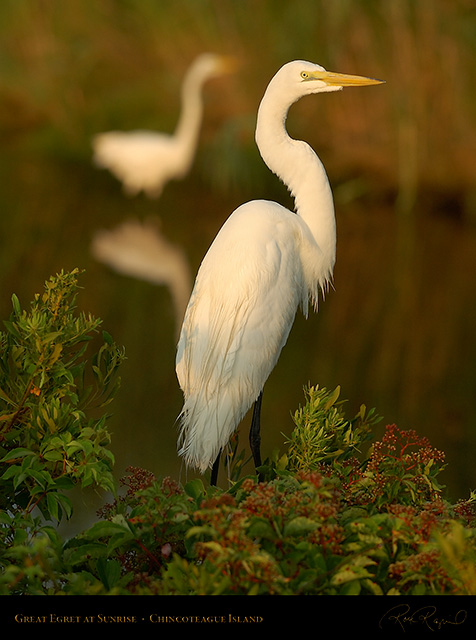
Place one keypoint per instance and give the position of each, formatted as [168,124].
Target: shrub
[51,436]
[337,514]
[330,519]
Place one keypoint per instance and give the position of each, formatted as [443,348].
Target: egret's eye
[304,75]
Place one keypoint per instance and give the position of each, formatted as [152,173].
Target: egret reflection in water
[140,250]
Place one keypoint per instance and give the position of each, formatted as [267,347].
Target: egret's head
[209,65]
[302,78]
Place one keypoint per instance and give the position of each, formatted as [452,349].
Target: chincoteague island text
[153,618]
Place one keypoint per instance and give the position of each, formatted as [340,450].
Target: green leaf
[108,339]
[105,529]
[20,452]
[332,398]
[52,505]
[16,305]
[260,528]
[86,552]
[352,588]
[195,489]
[109,571]
[300,526]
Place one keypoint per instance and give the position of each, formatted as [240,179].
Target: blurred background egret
[147,160]
[398,331]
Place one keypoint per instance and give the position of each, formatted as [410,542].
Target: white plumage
[147,160]
[265,262]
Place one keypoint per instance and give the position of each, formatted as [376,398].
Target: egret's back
[238,319]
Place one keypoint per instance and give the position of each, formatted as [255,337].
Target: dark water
[397,331]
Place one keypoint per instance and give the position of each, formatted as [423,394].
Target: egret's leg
[214,476]
[255,437]
[255,441]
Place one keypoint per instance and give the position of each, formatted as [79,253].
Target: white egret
[140,249]
[147,160]
[265,262]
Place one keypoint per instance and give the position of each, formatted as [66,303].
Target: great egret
[139,249]
[265,262]
[147,160]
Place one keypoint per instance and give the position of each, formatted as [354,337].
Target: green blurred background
[397,333]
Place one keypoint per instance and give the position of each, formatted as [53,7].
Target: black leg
[255,441]
[216,464]
[255,437]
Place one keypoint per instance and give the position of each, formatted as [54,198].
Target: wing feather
[238,319]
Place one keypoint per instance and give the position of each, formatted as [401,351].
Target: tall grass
[69,70]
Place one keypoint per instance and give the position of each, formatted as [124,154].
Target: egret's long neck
[188,126]
[296,164]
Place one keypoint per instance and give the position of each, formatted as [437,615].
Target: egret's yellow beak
[229,64]
[341,79]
